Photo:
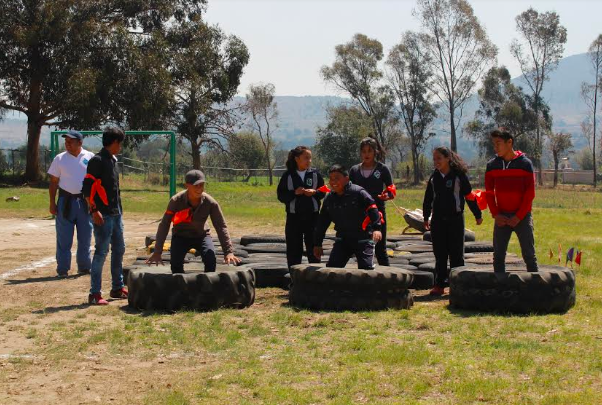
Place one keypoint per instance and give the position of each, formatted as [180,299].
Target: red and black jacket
[510,185]
[101,184]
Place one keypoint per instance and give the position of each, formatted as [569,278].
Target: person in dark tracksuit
[376,179]
[356,218]
[447,189]
[298,190]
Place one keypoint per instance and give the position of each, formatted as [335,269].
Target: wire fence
[14,161]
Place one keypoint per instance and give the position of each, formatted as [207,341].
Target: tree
[584,159]
[591,91]
[247,152]
[356,72]
[538,55]
[410,76]
[63,63]
[559,144]
[206,70]
[338,142]
[502,104]
[459,53]
[263,111]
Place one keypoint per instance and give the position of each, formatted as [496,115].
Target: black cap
[195,177]
[73,134]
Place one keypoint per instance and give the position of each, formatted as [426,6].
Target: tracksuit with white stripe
[301,213]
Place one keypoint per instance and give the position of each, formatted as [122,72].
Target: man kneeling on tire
[189,211]
[356,218]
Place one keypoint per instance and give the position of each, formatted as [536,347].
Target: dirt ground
[32,297]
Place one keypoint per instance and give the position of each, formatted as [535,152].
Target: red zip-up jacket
[510,185]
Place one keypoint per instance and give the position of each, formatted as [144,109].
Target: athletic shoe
[62,275]
[96,299]
[438,291]
[83,272]
[122,293]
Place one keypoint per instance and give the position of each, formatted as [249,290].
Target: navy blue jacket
[300,204]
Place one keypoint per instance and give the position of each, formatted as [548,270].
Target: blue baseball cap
[74,135]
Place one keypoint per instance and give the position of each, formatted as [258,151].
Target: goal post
[54,147]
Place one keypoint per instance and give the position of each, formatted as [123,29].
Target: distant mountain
[300,116]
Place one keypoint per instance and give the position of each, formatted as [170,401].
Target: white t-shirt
[70,170]
[301,173]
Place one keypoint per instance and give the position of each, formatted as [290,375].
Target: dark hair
[338,169]
[291,163]
[112,134]
[503,133]
[455,161]
[374,144]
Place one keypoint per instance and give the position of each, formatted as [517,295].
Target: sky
[290,40]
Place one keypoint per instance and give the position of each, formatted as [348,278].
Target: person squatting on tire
[376,179]
[356,218]
[510,187]
[298,190]
[67,173]
[447,189]
[189,211]
[101,190]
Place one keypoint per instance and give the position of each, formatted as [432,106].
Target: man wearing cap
[189,211]
[101,190]
[66,173]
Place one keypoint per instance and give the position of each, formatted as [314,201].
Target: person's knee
[118,249]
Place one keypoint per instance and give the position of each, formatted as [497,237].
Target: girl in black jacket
[445,194]
[377,180]
[298,190]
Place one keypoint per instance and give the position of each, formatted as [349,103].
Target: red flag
[578,258]
[324,189]
[480,197]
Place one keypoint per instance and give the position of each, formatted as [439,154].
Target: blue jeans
[78,217]
[111,232]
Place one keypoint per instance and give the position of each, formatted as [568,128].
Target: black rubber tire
[158,289]
[266,258]
[325,288]
[415,222]
[248,239]
[404,238]
[474,247]
[469,236]
[279,248]
[271,275]
[428,266]
[423,280]
[549,290]
[487,260]
[415,248]
[398,260]
[237,252]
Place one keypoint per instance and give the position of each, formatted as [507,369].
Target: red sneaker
[122,293]
[438,291]
[96,299]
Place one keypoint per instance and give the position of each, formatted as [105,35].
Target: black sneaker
[83,272]
[62,275]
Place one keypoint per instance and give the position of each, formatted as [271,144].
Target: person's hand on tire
[299,190]
[501,220]
[377,236]
[53,209]
[98,219]
[479,221]
[318,252]
[427,225]
[155,259]
[512,222]
[231,259]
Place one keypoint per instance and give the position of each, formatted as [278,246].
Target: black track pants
[448,242]
[300,228]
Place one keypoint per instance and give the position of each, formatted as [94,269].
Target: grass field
[274,354]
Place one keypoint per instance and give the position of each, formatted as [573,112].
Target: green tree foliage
[538,54]
[78,63]
[502,104]
[206,68]
[263,113]
[410,77]
[460,52]
[355,71]
[338,142]
[247,152]
[584,159]
[559,144]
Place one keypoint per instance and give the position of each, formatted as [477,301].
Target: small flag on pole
[559,253]
[569,256]
[551,254]
[578,258]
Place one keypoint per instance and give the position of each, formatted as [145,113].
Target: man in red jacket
[510,189]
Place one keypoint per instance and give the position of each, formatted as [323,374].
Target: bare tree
[356,72]
[559,144]
[460,52]
[263,112]
[590,93]
[410,76]
[538,54]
